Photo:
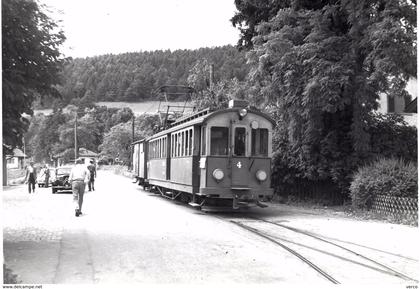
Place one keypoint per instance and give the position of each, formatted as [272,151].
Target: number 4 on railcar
[211,159]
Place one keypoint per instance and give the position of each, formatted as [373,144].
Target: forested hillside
[134,76]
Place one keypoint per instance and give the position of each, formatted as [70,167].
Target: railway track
[309,248]
[307,261]
[386,267]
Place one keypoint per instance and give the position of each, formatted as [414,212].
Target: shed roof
[87,153]
[18,153]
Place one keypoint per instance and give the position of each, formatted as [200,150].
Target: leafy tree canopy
[51,135]
[117,142]
[31,63]
[135,76]
[321,65]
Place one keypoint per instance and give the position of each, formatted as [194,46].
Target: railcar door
[239,162]
[135,159]
[141,171]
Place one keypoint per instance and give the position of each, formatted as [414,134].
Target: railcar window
[203,140]
[240,140]
[180,144]
[183,144]
[175,145]
[164,148]
[219,141]
[172,145]
[259,139]
[186,143]
[190,143]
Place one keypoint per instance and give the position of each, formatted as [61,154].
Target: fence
[395,206]
[322,192]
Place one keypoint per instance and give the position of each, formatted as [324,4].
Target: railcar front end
[235,163]
[212,159]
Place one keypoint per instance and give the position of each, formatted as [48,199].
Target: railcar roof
[197,118]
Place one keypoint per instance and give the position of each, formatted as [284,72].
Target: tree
[35,128]
[320,66]
[47,136]
[31,63]
[250,14]
[117,142]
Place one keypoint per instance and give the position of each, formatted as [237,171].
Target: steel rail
[394,272]
[312,265]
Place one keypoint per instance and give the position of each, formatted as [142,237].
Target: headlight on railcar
[261,175]
[218,174]
[243,112]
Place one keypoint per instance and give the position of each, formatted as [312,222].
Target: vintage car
[60,179]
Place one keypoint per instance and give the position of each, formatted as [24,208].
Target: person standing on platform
[78,178]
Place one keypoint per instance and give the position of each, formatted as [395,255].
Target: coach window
[203,141]
[172,145]
[178,153]
[186,142]
[164,147]
[219,141]
[190,142]
[259,142]
[240,140]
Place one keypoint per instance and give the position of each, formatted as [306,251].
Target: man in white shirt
[30,177]
[78,178]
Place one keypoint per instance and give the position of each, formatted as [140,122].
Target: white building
[15,161]
[404,106]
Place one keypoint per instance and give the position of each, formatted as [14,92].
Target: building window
[391,104]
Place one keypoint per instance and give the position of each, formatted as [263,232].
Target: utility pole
[211,80]
[132,140]
[24,152]
[132,128]
[76,150]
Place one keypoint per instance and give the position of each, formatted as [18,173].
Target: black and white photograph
[209,144]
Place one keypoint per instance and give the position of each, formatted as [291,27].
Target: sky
[96,27]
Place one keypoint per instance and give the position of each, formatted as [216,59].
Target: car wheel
[54,191]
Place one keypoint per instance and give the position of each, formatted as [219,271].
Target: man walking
[47,175]
[92,176]
[30,177]
[79,175]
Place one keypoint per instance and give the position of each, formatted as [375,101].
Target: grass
[147,107]
[347,210]
[139,108]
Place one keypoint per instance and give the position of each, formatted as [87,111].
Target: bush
[9,277]
[392,177]
[392,137]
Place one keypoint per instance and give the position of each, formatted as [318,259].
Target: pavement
[130,236]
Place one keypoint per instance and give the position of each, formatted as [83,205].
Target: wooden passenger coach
[211,158]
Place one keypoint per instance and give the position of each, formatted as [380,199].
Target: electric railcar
[210,159]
